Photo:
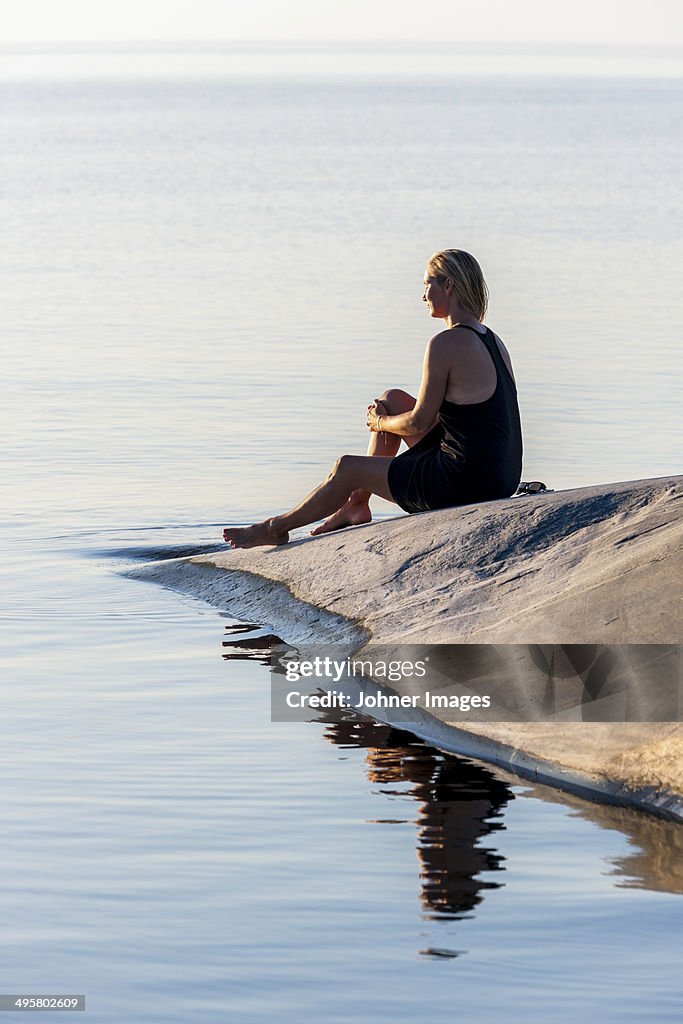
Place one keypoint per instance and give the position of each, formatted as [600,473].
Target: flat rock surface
[600,564]
[593,565]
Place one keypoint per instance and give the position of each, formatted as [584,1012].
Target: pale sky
[563,21]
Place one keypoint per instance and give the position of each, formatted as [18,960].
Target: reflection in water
[152,553]
[460,804]
[654,860]
[252,647]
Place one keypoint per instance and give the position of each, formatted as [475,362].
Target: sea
[212,262]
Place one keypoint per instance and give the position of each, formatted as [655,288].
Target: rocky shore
[595,565]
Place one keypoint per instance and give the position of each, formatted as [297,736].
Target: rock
[599,564]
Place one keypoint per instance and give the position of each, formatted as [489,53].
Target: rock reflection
[460,804]
[654,858]
[254,645]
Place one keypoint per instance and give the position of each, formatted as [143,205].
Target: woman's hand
[376,410]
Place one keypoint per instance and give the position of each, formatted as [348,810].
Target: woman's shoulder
[457,340]
[461,348]
[455,336]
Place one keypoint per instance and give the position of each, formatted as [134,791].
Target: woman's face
[435,295]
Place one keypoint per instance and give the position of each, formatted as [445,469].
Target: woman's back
[481,430]
[473,376]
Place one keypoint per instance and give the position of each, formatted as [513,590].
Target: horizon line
[43,45]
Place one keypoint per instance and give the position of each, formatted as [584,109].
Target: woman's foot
[262,534]
[354,512]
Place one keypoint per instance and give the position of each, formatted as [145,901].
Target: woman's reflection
[460,804]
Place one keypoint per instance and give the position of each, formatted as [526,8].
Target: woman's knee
[396,401]
[343,466]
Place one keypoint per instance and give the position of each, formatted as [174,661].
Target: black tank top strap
[492,347]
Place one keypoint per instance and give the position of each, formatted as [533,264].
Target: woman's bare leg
[350,473]
[346,492]
[356,509]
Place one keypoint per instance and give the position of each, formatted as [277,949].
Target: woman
[463,431]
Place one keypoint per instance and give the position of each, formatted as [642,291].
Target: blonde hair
[463,271]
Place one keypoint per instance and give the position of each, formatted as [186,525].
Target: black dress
[474,452]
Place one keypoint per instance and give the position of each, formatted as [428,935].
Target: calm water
[205,280]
